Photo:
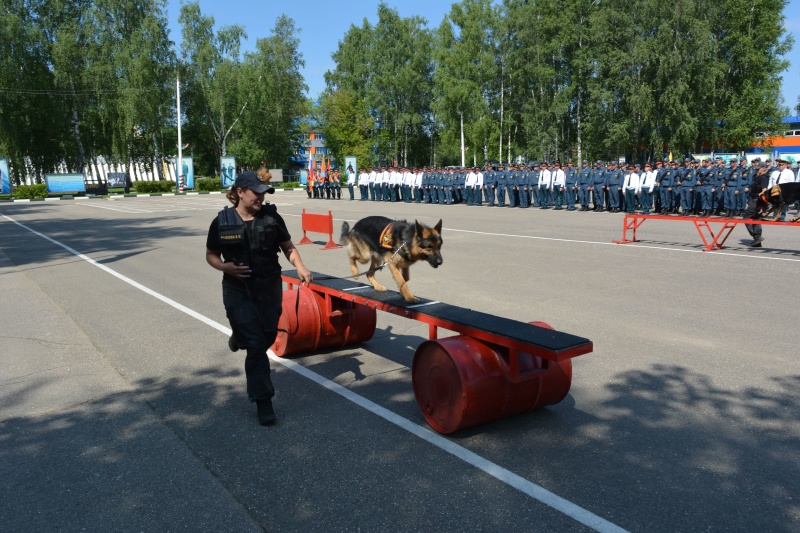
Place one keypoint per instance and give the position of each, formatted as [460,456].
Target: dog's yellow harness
[386,240]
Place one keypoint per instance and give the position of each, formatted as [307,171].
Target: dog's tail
[345,233]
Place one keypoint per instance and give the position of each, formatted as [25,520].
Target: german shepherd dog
[778,197]
[378,240]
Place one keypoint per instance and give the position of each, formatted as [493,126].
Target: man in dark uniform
[703,186]
[614,179]
[489,182]
[686,182]
[500,178]
[719,177]
[758,186]
[584,185]
[533,184]
[444,185]
[511,185]
[730,190]
[523,186]
[571,188]
[598,186]
[664,187]
[748,173]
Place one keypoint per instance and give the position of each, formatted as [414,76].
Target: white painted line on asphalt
[127,280]
[498,472]
[632,246]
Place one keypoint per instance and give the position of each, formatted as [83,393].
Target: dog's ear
[417,228]
[438,227]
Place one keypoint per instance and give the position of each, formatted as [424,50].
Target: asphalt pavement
[121,407]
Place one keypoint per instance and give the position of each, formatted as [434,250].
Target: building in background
[313,149]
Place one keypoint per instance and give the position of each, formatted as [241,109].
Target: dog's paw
[380,288]
[412,300]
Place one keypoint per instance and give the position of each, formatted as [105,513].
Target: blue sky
[323,23]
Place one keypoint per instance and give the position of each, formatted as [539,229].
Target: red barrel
[461,382]
[311,320]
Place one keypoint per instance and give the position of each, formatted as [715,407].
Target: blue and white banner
[115,179]
[59,183]
[186,170]
[227,169]
[350,169]
[5,179]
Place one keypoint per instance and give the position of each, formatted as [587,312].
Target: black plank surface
[548,339]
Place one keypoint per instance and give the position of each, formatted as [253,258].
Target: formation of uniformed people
[689,187]
[325,184]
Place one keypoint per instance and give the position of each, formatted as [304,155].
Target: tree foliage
[573,78]
[83,81]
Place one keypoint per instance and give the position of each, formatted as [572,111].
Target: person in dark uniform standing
[665,187]
[489,184]
[584,185]
[244,242]
[759,185]
[686,183]
[615,178]
[500,181]
[572,185]
[598,186]
[704,186]
[511,185]
[746,178]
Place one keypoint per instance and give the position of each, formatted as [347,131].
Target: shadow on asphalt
[108,240]
[670,440]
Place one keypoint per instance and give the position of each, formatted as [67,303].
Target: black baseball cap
[250,180]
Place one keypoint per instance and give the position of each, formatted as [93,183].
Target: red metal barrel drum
[313,320]
[461,382]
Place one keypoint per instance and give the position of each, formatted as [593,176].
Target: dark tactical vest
[255,245]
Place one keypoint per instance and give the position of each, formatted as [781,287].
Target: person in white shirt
[383,179]
[784,175]
[630,188]
[477,198]
[545,181]
[373,179]
[408,186]
[363,183]
[417,185]
[469,184]
[558,179]
[648,181]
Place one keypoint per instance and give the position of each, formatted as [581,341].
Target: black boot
[266,414]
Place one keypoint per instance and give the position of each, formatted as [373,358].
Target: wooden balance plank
[546,343]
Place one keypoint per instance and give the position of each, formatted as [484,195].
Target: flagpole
[179,166]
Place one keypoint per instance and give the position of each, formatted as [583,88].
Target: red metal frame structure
[705,226]
[318,224]
[495,367]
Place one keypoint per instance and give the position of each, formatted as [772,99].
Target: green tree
[466,77]
[270,129]
[216,87]
[347,126]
